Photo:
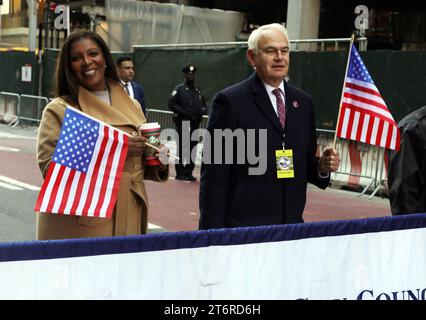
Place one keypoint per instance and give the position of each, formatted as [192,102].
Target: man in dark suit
[233,194]
[126,73]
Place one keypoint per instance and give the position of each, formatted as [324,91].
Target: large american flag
[86,167]
[364,115]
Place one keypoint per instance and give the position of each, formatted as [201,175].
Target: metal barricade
[163,117]
[362,164]
[9,107]
[32,107]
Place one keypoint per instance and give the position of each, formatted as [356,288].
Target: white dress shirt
[129,87]
[272,97]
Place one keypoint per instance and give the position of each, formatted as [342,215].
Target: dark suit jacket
[139,95]
[229,196]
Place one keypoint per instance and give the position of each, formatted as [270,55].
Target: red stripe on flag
[360,126]
[91,196]
[340,120]
[366,111]
[105,180]
[119,172]
[44,187]
[65,196]
[364,89]
[389,136]
[365,100]
[350,124]
[379,133]
[55,188]
[78,193]
[369,130]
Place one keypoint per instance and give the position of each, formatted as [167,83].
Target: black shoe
[190,178]
[178,177]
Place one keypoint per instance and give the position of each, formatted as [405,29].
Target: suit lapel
[121,112]
[263,103]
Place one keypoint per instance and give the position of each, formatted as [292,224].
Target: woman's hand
[136,146]
[163,155]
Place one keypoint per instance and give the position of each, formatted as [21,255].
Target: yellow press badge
[284,159]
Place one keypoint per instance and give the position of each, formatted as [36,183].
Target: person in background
[188,105]
[231,195]
[407,167]
[86,79]
[126,73]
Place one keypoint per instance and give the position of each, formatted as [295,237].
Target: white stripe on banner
[365,128]
[73,191]
[61,189]
[375,129]
[99,178]
[111,180]
[394,137]
[49,188]
[365,95]
[345,122]
[369,107]
[90,170]
[370,86]
[384,134]
[355,125]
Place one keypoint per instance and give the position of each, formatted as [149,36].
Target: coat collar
[122,110]
[263,102]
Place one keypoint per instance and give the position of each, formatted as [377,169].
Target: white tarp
[133,22]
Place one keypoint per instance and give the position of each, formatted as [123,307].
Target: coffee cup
[151,131]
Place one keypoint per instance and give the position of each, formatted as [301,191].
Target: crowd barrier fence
[20,107]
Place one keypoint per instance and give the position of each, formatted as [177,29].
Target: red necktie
[280,106]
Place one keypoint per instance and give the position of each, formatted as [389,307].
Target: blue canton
[357,69]
[77,141]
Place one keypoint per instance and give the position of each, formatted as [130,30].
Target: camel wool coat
[130,216]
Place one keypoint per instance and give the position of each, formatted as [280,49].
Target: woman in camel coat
[86,79]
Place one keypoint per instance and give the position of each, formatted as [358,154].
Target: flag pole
[343,88]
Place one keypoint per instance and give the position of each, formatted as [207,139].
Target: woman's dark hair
[66,83]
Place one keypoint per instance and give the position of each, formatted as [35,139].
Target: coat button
[134,133]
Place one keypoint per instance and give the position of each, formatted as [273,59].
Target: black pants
[185,146]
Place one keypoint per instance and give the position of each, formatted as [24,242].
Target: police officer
[188,104]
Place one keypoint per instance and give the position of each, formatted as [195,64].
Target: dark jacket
[187,104]
[139,95]
[229,196]
[407,167]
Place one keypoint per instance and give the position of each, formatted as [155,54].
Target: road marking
[9,186]
[15,136]
[14,182]
[153,226]
[2,148]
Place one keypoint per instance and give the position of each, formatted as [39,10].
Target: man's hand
[329,162]
[136,146]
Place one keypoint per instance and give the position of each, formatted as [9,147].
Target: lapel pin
[295,104]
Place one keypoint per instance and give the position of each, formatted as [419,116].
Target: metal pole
[46,22]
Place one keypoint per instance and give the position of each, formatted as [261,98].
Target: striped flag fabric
[363,114]
[86,167]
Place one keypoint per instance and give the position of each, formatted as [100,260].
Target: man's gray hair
[255,36]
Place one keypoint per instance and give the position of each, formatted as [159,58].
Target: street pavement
[173,206]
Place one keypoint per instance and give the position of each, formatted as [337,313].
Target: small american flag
[364,115]
[84,175]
